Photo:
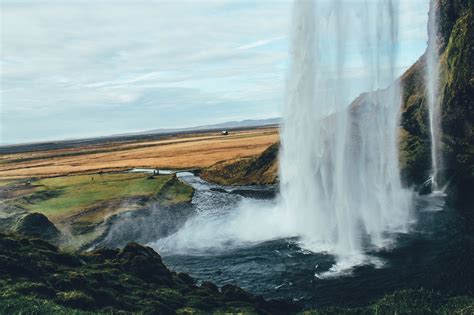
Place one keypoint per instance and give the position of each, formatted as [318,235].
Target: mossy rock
[37,225]
[258,170]
[76,299]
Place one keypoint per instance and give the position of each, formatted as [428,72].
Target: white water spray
[432,88]
[339,171]
[339,181]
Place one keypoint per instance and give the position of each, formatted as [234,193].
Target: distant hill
[248,123]
[142,135]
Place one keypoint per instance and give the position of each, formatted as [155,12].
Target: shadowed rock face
[37,225]
[260,170]
[133,279]
[456,24]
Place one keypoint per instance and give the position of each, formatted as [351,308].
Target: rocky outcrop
[37,275]
[38,278]
[37,225]
[259,170]
[456,48]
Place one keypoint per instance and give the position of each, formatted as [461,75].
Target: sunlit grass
[68,195]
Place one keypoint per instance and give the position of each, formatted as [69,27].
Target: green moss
[406,302]
[62,196]
[175,192]
[456,99]
[31,305]
[75,299]
[259,170]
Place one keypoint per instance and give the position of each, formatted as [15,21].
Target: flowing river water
[232,238]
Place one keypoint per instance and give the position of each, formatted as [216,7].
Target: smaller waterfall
[432,92]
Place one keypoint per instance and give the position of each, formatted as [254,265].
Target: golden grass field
[173,152]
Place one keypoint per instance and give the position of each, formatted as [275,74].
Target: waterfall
[432,88]
[339,174]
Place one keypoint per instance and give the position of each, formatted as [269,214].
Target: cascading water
[432,88]
[340,181]
[339,177]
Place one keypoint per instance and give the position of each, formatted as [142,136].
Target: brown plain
[176,152]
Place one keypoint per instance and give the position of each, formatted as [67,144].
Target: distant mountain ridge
[63,143]
[226,125]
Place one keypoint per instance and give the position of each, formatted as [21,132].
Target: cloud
[259,43]
[63,61]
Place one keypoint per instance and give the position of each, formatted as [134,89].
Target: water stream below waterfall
[437,253]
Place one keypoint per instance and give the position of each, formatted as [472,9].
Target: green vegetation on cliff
[456,25]
[259,170]
[458,97]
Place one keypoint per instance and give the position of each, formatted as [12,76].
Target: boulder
[145,263]
[37,225]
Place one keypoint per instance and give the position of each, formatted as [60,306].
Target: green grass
[79,205]
[175,192]
[415,302]
[68,195]
[6,182]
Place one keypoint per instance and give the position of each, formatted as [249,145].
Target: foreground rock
[37,225]
[37,278]
[35,274]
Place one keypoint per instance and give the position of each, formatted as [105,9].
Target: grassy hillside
[38,278]
[63,197]
[80,205]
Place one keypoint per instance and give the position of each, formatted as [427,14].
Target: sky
[79,68]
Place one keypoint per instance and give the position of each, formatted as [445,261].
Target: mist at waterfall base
[340,187]
[234,239]
[342,230]
[340,181]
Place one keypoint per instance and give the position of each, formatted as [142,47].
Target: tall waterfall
[432,88]
[340,181]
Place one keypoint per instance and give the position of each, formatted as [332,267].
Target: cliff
[456,49]
[259,170]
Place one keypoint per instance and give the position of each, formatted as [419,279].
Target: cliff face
[456,48]
[259,170]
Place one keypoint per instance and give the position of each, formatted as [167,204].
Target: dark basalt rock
[144,263]
[234,293]
[209,286]
[221,190]
[37,225]
[256,193]
[131,280]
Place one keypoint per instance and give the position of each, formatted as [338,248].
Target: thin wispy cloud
[79,68]
[259,43]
